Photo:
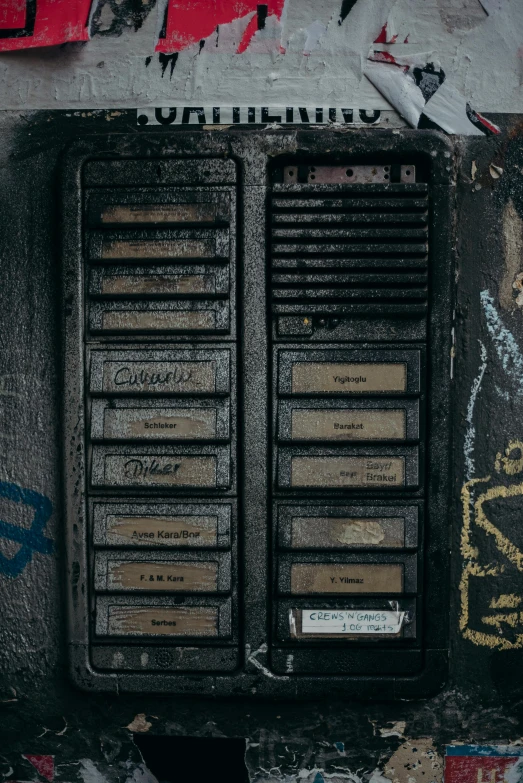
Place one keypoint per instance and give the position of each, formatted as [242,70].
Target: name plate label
[347,471]
[142,575]
[128,285]
[350,622]
[169,470]
[160,424]
[161,320]
[348,424]
[345,378]
[159,213]
[159,377]
[162,621]
[329,533]
[346,578]
[180,531]
[147,248]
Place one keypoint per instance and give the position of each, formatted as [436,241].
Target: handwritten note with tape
[351,621]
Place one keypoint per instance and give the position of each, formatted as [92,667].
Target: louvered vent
[349,249]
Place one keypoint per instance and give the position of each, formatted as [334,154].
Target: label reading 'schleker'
[182,531]
[162,621]
[159,377]
[169,470]
[160,423]
[347,471]
[348,378]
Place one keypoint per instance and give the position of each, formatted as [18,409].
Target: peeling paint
[413,762]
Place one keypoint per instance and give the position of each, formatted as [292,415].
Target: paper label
[350,621]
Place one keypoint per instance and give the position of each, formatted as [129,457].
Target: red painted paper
[478,769]
[25,24]
[189,21]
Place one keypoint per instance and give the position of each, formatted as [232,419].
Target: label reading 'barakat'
[348,424]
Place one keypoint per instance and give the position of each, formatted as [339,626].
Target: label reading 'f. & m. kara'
[172,576]
[348,378]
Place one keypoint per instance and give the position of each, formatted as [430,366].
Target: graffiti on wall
[32,538]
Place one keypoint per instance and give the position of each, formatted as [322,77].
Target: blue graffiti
[31,538]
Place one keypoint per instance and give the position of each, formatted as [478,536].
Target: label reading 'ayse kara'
[159,377]
[180,531]
[345,378]
[149,470]
[163,621]
[346,578]
[347,471]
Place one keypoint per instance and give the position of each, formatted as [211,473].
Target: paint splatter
[507,349]
[470,434]
[32,539]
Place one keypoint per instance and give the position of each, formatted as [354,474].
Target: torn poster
[417,88]
[473,763]
[25,24]
[246,115]
[187,23]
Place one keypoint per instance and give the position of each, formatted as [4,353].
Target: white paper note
[351,621]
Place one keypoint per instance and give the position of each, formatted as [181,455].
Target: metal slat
[353,217]
[349,203]
[324,263]
[397,279]
[314,294]
[321,234]
[352,248]
[410,309]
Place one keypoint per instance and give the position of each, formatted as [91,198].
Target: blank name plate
[172,420]
[170,316]
[158,281]
[349,372]
[144,573]
[160,372]
[325,526]
[186,525]
[334,578]
[184,244]
[202,467]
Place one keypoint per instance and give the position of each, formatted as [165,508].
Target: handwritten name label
[159,377]
[146,470]
[345,378]
[361,621]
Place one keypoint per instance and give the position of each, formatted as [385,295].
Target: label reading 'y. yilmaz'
[348,378]
[169,470]
[346,578]
[347,472]
[162,621]
[159,377]
[182,531]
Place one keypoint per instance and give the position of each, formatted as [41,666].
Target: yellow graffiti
[474,515]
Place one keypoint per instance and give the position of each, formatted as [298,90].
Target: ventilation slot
[351,250]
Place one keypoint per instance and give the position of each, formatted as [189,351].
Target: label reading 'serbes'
[142,575]
[180,531]
[159,213]
[159,320]
[149,470]
[347,471]
[164,621]
[150,248]
[348,378]
[348,424]
[128,285]
[159,377]
[160,423]
[346,578]
[331,622]
[330,533]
